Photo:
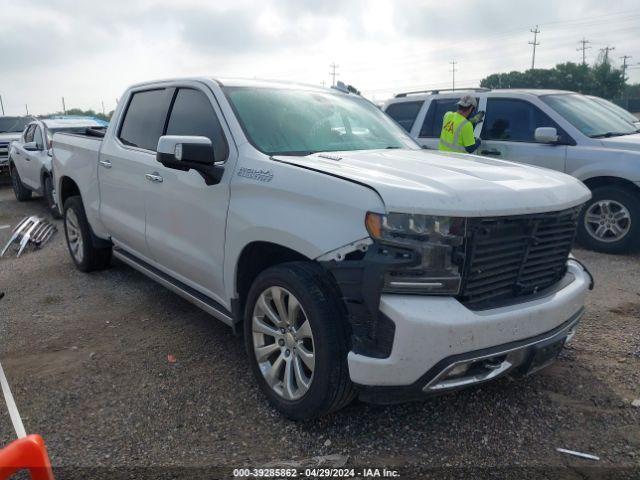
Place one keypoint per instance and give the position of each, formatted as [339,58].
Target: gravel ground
[86,356]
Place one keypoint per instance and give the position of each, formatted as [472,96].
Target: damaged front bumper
[406,347]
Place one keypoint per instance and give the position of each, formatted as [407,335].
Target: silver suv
[561,130]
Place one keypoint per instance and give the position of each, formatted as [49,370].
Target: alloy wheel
[283,343]
[74,235]
[607,221]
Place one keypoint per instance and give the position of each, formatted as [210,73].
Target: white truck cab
[555,129]
[353,261]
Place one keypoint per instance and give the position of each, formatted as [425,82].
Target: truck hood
[625,142]
[439,183]
[10,136]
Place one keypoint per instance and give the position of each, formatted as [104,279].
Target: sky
[90,51]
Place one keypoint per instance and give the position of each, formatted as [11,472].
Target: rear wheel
[21,192]
[47,186]
[77,232]
[296,339]
[610,221]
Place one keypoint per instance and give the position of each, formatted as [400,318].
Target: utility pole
[584,49]
[453,74]
[624,66]
[333,73]
[535,42]
[2,105]
[103,113]
[606,51]
[64,108]
[26,107]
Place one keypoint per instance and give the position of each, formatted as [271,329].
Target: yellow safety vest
[457,133]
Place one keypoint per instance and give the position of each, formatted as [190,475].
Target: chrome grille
[507,257]
[4,150]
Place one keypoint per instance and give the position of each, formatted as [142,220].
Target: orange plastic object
[28,453]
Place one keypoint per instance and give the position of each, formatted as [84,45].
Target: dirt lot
[87,359]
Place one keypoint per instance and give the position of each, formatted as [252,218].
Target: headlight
[432,240]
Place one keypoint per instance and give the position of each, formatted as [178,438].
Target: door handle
[493,151]
[153,177]
[105,163]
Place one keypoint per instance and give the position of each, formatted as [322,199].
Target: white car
[11,129]
[29,157]
[355,262]
[561,130]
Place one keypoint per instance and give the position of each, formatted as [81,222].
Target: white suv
[561,130]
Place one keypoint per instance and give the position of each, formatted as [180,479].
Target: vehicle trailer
[352,261]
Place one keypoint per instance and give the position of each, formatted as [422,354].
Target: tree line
[601,79]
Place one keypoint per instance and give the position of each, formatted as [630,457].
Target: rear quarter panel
[76,157]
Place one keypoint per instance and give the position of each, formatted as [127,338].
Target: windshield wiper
[301,153]
[610,134]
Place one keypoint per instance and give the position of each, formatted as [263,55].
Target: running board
[185,291]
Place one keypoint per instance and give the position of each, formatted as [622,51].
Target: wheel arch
[609,181]
[254,259]
[68,188]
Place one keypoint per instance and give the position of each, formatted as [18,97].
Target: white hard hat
[468,101]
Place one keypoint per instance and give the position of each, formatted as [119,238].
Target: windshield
[588,116]
[13,124]
[621,112]
[300,122]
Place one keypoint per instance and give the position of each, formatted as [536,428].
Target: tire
[613,211]
[77,232]
[22,193]
[47,189]
[329,387]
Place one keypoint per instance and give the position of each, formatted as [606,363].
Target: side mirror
[31,147]
[546,135]
[182,152]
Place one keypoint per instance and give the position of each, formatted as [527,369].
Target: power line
[453,73]
[333,72]
[535,32]
[584,49]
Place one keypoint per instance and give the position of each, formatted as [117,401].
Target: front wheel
[610,221]
[21,192]
[77,231]
[296,338]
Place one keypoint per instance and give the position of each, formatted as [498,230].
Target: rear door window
[514,120]
[404,113]
[144,120]
[432,125]
[192,114]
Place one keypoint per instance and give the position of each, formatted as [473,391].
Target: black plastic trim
[360,283]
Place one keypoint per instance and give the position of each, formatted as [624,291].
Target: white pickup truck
[353,261]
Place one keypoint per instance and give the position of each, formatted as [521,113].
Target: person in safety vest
[457,127]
